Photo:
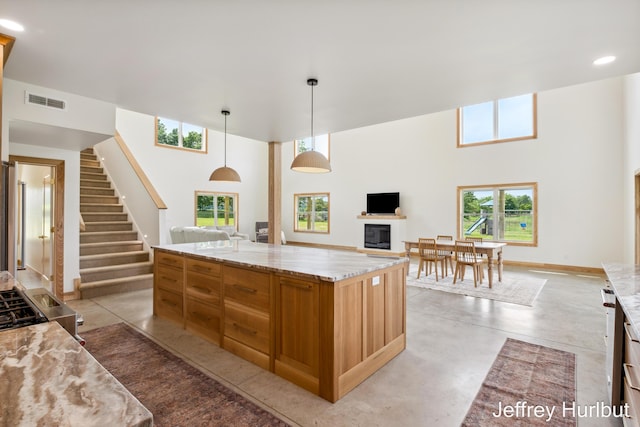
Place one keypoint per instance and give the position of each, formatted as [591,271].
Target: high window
[312,212]
[220,209]
[175,134]
[322,145]
[508,119]
[503,213]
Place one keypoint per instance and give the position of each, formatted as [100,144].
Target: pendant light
[225,173]
[311,161]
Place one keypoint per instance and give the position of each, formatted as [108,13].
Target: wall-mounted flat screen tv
[382,203]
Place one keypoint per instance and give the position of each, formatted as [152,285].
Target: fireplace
[377,236]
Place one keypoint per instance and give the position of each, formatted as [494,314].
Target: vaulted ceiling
[375,60]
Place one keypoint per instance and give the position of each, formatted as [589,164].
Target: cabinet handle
[245,289]
[245,329]
[605,300]
[200,316]
[200,268]
[626,367]
[297,284]
[169,302]
[201,289]
[628,332]
[169,279]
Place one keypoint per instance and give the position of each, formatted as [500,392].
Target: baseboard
[556,267]
[541,266]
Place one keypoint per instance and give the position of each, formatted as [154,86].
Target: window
[322,145]
[220,209]
[508,119]
[505,213]
[312,212]
[172,133]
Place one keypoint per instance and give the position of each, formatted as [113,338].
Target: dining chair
[448,255]
[466,256]
[478,240]
[429,254]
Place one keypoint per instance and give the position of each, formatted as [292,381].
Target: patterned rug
[176,393]
[516,288]
[525,377]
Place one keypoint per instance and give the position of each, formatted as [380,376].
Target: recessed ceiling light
[11,25]
[604,60]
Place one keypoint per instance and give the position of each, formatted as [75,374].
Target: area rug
[528,385]
[515,288]
[176,393]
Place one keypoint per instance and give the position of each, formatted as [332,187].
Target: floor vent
[43,101]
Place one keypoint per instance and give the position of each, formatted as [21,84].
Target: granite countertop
[625,282]
[50,379]
[324,264]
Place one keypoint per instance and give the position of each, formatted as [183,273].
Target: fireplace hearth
[377,236]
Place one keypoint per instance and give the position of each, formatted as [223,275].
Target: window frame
[205,137]
[493,187]
[215,194]
[328,154]
[534,119]
[296,228]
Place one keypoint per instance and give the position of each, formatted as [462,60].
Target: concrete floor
[452,341]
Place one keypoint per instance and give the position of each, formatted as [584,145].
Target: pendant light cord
[225,140]
[312,83]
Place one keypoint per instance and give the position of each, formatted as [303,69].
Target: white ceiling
[376,60]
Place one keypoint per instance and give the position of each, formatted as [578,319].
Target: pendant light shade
[225,173]
[311,161]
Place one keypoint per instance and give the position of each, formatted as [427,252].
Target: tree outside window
[219,209]
[321,145]
[312,212]
[507,119]
[172,133]
[505,213]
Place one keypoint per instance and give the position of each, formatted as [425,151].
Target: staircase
[112,259]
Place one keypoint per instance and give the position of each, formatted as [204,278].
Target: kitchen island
[322,319]
[49,379]
[623,338]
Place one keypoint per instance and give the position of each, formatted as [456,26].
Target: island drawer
[168,305]
[204,288]
[169,279]
[631,346]
[632,397]
[247,326]
[247,287]
[204,267]
[165,258]
[203,319]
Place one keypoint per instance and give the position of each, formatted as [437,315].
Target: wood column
[275,192]
[6,44]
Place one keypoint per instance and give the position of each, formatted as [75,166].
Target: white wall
[631,160]
[71,203]
[575,161]
[178,174]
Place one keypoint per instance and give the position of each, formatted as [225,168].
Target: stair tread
[105,282]
[108,222]
[111,255]
[115,267]
[106,232]
[119,242]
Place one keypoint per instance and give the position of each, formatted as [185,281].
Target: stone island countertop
[625,282]
[48,378]
[324,264]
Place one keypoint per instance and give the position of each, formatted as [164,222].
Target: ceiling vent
[43,101]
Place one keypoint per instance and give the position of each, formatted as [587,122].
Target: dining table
[492,250]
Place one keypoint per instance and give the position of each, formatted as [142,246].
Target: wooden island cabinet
[324,320]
